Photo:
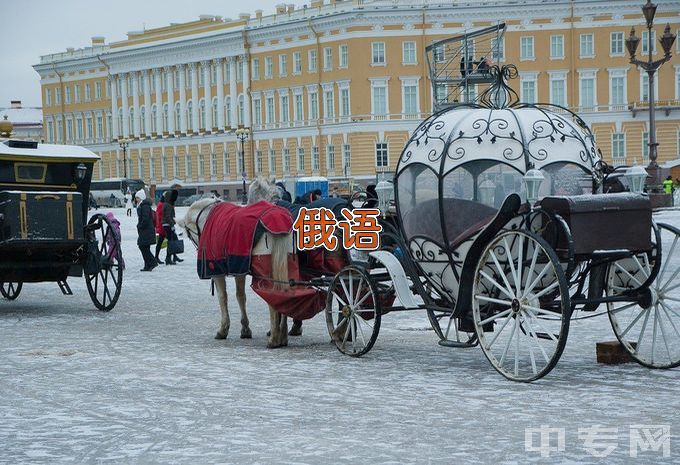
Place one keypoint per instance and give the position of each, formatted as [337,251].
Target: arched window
[190,114]
[241,112]
[178,117]
[142,115]
[201,114]
[214,112]
[154,113]
[227,109]
[166,121]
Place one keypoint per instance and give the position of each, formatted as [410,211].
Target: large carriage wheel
[10,291]
[521,306]
[105,281]
[353,311]
[650,332]
[446,327]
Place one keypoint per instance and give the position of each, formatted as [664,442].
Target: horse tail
[280,246]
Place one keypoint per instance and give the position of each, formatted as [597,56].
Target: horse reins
[198,227]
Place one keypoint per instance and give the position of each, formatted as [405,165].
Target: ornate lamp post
[124,145]
[650,66]
[242,135]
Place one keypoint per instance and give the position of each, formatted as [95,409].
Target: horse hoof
[295,331]
[269,333]
[220,335]
[246,334]
[271,345]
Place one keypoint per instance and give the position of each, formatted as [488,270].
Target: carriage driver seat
[508,210]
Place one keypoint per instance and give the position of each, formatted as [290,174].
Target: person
[371,197]
[334,193]
[160,232]
[462,66]
[145,230]
[285,195]
[168,216]
[128,203]
[668,185]
[92,203]
[483,66]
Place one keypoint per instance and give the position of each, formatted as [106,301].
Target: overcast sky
[30,28]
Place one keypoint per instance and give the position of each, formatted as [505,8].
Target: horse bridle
[197,233]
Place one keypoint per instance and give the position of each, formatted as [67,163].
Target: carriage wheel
[650,333]
[105,284]
[521,306]
[10,291]
[353,311]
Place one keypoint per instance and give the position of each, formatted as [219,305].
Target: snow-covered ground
[147,383]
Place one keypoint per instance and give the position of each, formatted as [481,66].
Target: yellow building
[335,88]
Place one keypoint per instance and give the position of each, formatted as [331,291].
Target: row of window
[619,147]
[80,94]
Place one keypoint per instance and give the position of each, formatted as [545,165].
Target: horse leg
[296,329]
[246,333]
[221,286]
[274,320]
[283,329]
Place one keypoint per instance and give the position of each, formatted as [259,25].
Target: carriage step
[65,288]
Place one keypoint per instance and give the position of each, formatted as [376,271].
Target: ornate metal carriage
[45,234]
[504,238]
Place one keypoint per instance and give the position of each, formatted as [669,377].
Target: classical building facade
[26,121]
[335,88]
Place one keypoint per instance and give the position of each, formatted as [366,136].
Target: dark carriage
[504,238]
[45,234]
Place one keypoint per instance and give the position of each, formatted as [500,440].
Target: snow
[147,383]
[56,151]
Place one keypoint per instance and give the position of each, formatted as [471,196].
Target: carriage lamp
[486,192]
[81,171]
[636,176]
[385,191]
[532,180]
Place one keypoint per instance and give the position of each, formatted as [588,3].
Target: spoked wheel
[446,328]
[10,291]
[649,329]
[104,281]
[520,305]
[353,311]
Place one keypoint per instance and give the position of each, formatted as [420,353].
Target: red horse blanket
[228,236]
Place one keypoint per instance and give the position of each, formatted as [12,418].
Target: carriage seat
[462,219]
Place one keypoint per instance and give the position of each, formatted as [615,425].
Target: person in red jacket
[159,226]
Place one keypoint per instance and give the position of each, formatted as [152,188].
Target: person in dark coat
[160,232]
[145,230]
[371,197]
[285,195]
[168,225]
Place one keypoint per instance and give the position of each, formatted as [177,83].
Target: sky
[31,28]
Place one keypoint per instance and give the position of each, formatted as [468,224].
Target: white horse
[276,245]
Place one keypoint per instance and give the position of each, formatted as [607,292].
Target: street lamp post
[651,66]
[124,145]
[242,135]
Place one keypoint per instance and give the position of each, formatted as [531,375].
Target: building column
[115,134]
[147,103]
[233,95]
[170,82]
[207,96]
[182,100]
[159,100]
[124,105]
[194,97]
[135,104]
[220,94]
[245,62]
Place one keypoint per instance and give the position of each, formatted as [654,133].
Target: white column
[207,95]
[233,95]
[220,94]
[135,104]
[147,103]
[170,76]
[245,62]
[182,100]
[115,135]
[124,104]
[194,97]
[159,100]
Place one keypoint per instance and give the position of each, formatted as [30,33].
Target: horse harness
[198,227]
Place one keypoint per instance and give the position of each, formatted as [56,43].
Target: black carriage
[504,238]
[45,234]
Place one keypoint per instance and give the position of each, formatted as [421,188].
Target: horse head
[263,189]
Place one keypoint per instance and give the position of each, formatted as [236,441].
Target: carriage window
[30,172]
[565,179]
[419,204]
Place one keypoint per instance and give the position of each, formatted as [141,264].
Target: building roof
[22,116]
[51,152]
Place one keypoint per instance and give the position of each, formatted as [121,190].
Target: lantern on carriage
[636,176]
